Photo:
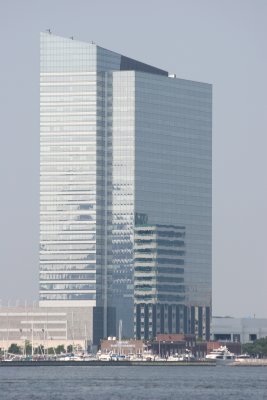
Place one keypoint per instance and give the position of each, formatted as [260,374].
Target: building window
[222,336]
[236,337]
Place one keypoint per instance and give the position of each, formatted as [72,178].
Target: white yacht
[103,356]
[135,357]
[221,355]
[175,357]
[242,357]
[186,356]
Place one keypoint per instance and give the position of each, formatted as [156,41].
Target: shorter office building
[166,345]
[48,327]
[201,349]
[122,347]
[243,330]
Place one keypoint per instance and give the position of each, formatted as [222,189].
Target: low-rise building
[165,345]
[48,327]
[122,347]
[243,330]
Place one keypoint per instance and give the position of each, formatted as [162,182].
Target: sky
[214,41]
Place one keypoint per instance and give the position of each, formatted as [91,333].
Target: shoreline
[106,363]
[96,363]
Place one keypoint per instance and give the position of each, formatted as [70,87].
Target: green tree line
[15,349]
[257,348]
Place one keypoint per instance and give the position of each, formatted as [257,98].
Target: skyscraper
[122,145]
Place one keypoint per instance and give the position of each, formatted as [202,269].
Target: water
[133,383]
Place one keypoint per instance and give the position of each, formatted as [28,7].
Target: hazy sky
[222,42]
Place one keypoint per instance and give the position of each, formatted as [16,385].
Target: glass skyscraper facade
[159,290]
[122,144]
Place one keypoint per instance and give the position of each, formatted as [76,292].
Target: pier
[49,363]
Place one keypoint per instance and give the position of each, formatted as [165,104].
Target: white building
[48,327]
[242,330]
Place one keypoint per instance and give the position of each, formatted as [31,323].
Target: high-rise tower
[122,144]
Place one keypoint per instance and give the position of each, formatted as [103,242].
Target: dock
[250,362]
[49,363]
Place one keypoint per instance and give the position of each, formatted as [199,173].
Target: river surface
[133,383]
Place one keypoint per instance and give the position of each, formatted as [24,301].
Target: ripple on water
[133,383]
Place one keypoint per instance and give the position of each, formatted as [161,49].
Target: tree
[39,349]
[60,349]
[28,347]
[70,348]
[51,350]
[14,349]
[257,348]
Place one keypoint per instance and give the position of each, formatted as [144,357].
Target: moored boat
[221,355]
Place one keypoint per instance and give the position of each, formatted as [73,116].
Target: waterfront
[137,383]
[97,363]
